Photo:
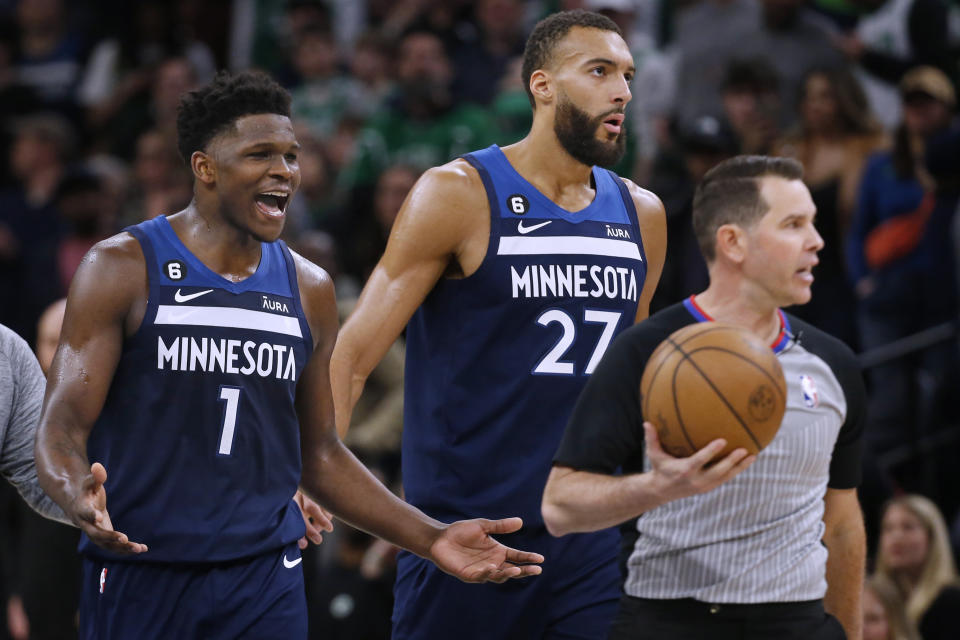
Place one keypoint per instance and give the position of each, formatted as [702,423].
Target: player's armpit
[652,219]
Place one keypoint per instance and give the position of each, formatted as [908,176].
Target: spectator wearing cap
[703,145]
[889,39]
[751,104]
[834,136]
[900,262]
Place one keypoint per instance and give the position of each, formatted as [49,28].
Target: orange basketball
[713,380]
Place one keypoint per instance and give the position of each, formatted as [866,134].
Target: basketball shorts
[575,598]
[259,597]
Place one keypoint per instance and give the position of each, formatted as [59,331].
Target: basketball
[713,380]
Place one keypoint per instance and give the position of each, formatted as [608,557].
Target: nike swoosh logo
[179,297]
[290,564]
[534,227]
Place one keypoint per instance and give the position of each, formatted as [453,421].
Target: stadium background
[383,89]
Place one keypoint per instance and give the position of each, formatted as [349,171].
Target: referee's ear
[731,243]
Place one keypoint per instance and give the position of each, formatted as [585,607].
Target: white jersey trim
[229,317]
[567,245]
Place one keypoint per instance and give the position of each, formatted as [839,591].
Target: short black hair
[753,75]
[550,31]
[730,194]
[210,110]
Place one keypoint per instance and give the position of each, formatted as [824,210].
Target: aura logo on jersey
[574,281]
[213,355]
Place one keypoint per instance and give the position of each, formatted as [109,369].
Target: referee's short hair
[547,34]
[730,194]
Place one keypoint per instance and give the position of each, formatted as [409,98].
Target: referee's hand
[682,477]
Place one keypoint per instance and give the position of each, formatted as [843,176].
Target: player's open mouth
[614,123]
[272,203]
[806,274]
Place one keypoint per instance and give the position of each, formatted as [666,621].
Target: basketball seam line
[747,360]
[673,392]
[715,390]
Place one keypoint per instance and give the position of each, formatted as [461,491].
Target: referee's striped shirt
[756,538]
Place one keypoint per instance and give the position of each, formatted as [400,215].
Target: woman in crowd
[884,613]
[914,554]
[835,135]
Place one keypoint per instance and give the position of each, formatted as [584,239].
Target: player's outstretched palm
[465,550]
[90,514]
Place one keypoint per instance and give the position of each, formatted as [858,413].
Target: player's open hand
[683,477]
[90,514]
[465,550]
[315,517]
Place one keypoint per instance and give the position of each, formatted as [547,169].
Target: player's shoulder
[646,201]
[115,261]
[312,279]
[456,180]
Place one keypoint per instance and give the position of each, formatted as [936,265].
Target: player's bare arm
[845,540]
[333,476]
[652,219]
[106,302]
[577,501]
[442,230]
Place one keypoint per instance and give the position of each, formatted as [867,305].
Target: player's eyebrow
[608,62]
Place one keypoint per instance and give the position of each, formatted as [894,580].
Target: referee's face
[781,248]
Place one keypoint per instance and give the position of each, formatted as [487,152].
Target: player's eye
[628,77]
[257,154]
[598,71]
[291,157]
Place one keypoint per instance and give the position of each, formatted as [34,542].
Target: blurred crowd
[863,92]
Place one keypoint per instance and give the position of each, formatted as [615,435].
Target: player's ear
[731,243]
[542,86]
[202,166]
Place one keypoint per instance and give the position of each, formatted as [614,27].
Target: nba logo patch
[809,389]
[103,579]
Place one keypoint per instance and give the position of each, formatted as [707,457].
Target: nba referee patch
[809,389]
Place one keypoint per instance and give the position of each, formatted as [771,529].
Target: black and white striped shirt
[756,538]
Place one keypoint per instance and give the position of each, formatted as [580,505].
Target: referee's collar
[779,343]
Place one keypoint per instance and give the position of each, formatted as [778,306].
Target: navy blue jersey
[199,434]
[495,361]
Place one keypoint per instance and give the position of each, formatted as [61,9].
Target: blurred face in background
[175,77]
[392,188]
[904,540]
[819,105]
[875,625]
[923,114]
[423,60]
[315,55]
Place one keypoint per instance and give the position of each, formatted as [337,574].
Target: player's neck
[727,302]
[543,162]
[223,248]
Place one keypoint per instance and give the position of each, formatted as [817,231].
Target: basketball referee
[772,551]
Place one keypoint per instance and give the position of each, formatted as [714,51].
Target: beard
[577,132]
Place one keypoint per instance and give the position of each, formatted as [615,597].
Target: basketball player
[521,264]
[193,368]
[726,551]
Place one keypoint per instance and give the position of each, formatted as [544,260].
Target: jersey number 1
[230,396]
